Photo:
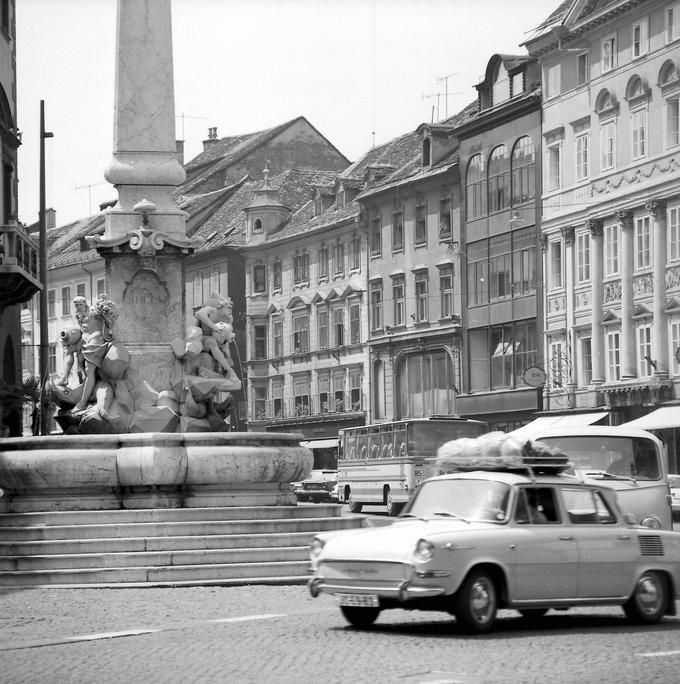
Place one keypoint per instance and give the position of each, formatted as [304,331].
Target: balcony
[19,279]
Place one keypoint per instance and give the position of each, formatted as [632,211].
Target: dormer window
[340,199]
[517,84]
[427,144]
[318,206]
[257,226]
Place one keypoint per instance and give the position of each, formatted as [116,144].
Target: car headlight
[424,550]
[652,523]
[316,547]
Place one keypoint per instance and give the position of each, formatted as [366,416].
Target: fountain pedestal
[150,470]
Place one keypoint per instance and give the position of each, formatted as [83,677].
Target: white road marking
[658,654]
[134,632]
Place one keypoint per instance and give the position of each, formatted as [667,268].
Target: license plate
[363,600]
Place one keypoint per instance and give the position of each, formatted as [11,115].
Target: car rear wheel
[477,603]
[360,617]
[354,506]
[648,603]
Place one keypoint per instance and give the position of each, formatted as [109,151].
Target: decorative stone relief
[612,292]
[582,299]
[673,277]
[643,284]
[556,304]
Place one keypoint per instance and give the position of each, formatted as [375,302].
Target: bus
[382,464]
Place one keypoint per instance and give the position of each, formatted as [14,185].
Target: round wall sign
[534,376]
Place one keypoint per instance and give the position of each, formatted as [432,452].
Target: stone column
[596,278]
[657,210]
[628,360]
[144,242]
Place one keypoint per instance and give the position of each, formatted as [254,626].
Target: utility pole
[44,334]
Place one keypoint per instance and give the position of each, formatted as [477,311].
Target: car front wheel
[360,617]
[477,603]
[648,603]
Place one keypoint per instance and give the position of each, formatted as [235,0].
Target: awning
[567,420]
[320,443]
[662,418]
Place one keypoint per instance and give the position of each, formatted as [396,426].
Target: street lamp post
[44,336]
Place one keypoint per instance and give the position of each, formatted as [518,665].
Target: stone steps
[156,547]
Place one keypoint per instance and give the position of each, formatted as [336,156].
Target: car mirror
[629,519]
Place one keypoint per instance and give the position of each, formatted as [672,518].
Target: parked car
[525,536]
[674,484]
[320,486]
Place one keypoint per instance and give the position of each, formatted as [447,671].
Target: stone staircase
[163,547]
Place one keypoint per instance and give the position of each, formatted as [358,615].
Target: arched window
[523,171]
[426,384]
[475,188]
[499,179]
[636,88]
[668,73]
[257,226]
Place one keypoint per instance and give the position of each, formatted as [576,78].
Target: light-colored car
[320,486]
[674,484]
[531,538]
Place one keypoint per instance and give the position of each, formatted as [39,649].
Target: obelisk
[144,242]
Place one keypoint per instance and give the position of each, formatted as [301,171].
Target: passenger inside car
[536,506]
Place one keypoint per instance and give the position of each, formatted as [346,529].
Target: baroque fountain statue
[146,423]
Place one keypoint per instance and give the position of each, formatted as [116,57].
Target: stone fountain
[146,426]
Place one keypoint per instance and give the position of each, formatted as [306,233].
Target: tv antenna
[89,187]
[183,116]
[446,91]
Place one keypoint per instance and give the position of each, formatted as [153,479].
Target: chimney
[50,218]
[179,146]
[212,137]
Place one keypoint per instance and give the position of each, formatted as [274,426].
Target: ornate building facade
[611,205]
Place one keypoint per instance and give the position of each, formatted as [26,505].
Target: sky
[361,71]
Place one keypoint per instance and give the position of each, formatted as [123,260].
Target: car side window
[536,506]
[586,507]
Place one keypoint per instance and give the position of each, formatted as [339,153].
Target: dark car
[320,486]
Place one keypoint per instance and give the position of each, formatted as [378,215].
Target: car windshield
[610,457]
[468,499]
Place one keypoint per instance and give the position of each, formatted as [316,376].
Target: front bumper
[402,591]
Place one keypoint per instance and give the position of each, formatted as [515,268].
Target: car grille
[650,545]
[365,571]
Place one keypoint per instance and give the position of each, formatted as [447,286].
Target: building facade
[499,249]
[19,272]
[611,205]
[411,217]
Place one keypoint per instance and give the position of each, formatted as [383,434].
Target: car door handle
[623,537]
[566,537]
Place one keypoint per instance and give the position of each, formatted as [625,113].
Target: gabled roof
[223,153]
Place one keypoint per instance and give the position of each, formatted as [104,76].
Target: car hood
[395,541]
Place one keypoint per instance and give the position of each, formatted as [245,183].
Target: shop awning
[662,418]
[566,420]
[320,443]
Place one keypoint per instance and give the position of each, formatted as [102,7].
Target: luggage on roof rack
[500,451]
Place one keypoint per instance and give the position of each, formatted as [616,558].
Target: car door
[606,548]
[545,553]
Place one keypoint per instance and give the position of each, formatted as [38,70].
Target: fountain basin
[150,470]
